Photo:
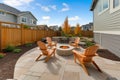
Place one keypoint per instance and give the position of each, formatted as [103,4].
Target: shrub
[2,55]
[9,48]
[26,26]
[28,44]
[17,50]
[88,43]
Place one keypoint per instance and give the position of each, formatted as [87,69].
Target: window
[2,13]
[114,5]
[103,6]
[24,19]
[32,21]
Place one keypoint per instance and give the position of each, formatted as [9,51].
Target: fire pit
[64,50]
[64,47]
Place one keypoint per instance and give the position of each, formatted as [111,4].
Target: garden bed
[8,62]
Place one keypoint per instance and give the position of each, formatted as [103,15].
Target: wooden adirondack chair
[76,42]
[50,42]
[45,51]
[86,57]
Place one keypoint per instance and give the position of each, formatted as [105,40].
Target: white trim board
[108,32]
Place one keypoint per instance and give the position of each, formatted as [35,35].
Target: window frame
[3,14]
[112,10]
[103,10]
[22,18]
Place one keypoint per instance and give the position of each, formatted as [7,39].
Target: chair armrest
[78,54]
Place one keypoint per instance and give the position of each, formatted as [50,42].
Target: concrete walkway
[63,68]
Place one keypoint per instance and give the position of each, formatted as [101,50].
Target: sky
[54,12]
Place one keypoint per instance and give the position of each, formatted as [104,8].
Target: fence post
[22,36]
[0,37]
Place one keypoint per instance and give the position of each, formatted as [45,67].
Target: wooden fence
[87,33]
[16,34]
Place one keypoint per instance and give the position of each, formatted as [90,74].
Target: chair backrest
[48,40]
[90,52]
[77,40]
[42,47]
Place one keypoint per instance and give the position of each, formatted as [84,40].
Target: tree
[66,26]
[77,29]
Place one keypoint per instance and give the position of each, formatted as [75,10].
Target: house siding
[109,41]
[28,16]
[8,18]
[107,22]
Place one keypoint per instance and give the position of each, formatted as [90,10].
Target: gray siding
[110,42]
[8,18]
[97,37]
[28,16]
[106,21]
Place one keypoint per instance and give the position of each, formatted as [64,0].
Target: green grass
[1,55]
[28,44]
[9,48]
[17,50]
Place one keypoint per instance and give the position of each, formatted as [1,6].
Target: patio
[63,68]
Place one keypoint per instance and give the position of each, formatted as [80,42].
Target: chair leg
[38,57]
[48,57]
[96,66]
[84,68]
[74,58]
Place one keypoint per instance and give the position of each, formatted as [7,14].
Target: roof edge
[93,5]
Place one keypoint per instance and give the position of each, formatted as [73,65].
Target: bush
[28,44]
[9,48]
[88,43]
[2,55]
[17,50]
[26,26]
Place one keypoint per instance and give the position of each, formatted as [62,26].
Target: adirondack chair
[50,42]
[86,57]
[47,52]
[76,42]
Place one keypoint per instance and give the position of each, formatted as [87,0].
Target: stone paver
[62,68]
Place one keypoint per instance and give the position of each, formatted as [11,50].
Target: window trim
[112,10]
[31,21]
[3,14]
[23,17]
[99,13]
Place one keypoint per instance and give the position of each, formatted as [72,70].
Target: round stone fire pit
[64,49]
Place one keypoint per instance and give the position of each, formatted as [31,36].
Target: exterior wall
[28,16]
[107,29]
[8,18]
[109,41]
[106,21]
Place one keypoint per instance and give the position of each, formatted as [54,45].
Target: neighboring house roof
[93,4]
[25,12]
[9,9]
[55,28]
[43,27]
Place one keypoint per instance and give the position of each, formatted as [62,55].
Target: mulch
[107,54]
[8,62]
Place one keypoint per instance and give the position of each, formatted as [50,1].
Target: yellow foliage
[66,26]
[77,30]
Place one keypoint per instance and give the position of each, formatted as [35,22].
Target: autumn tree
[66,26]
[77,29]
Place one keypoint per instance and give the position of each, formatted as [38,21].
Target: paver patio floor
[63,68]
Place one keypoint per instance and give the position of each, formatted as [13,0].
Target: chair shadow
[99,75]
[54,65]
